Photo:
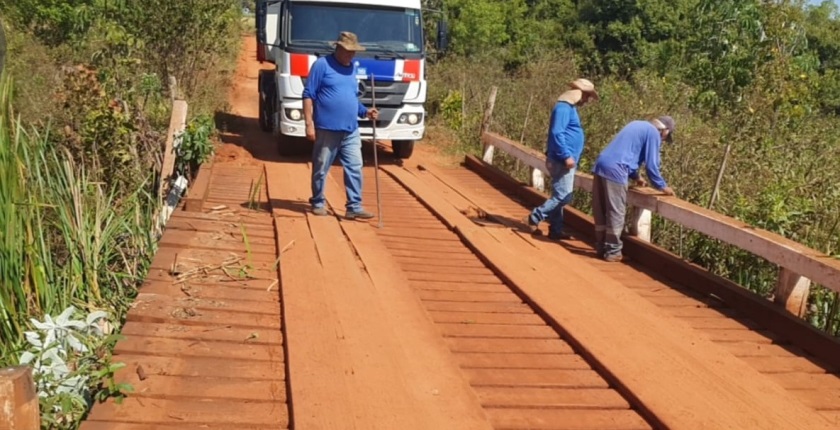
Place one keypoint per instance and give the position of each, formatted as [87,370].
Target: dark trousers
[609,205]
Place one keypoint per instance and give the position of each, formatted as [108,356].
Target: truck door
[268,20]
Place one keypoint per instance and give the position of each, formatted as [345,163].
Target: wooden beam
[197,194]
[18,400]
[177,123]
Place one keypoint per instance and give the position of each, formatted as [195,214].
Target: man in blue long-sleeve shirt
[331,110]
[637,143]
[563,148]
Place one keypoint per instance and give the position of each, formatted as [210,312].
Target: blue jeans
[562,185]
[347,146]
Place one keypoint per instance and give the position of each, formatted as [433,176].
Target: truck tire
[403,148]
[267,99]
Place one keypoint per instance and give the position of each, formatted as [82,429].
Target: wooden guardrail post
[792,291]
[640,224]
[18,400]
[485,125]
[538,179]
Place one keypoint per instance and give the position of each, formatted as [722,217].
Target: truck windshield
[380,29]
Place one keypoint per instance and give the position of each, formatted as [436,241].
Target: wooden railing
[798,264]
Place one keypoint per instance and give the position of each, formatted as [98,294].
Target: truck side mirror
[262,12]
[442,36]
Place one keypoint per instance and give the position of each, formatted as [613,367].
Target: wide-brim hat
[348,41]
[586,86]
[572,97]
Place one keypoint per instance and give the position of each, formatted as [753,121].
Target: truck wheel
[403,148]
[267,97]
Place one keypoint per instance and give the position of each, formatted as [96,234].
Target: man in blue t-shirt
[331,109]
[563,148]
[637,143]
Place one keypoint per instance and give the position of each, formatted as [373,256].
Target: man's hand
[668,191]
[641,183]
[570,163]
[310,132]
[373,114]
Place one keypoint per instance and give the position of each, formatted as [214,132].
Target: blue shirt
[565,137]
[637,143]
[333,87]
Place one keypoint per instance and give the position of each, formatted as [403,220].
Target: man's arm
[651,154]
[308,119]
[562,117]
[310,91]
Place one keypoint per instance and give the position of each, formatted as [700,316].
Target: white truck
[292,34]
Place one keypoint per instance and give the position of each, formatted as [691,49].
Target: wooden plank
[566,419]
[426,362]
[198,192]
[548,378]
[562,398]
[111,425]
[203,367]
[166,386]
[661,362]
[311,337]
[195,412]
[521,361]
[18,400]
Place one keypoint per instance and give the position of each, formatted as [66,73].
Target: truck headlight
[411,118]
[293,114]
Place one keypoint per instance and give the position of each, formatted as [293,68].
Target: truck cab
[292,34]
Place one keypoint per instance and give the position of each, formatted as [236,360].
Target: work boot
[613,258]
[320,211]
[360,214]
[559,236]
[532,228]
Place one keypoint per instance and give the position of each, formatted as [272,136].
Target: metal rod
[375,156]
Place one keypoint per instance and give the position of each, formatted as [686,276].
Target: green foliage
[452,109]
[196,145]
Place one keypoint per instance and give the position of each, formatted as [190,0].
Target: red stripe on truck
[411,71]
[300,65]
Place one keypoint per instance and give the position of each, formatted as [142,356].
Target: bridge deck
[257,314]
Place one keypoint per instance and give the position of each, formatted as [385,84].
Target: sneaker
[320,211]
[359,215]
[613,258]
[559,236]
[532,228]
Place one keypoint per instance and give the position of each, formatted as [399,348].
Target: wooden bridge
[259,315]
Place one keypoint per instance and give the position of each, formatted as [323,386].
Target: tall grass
[65,239]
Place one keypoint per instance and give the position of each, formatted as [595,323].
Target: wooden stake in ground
[18,400]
